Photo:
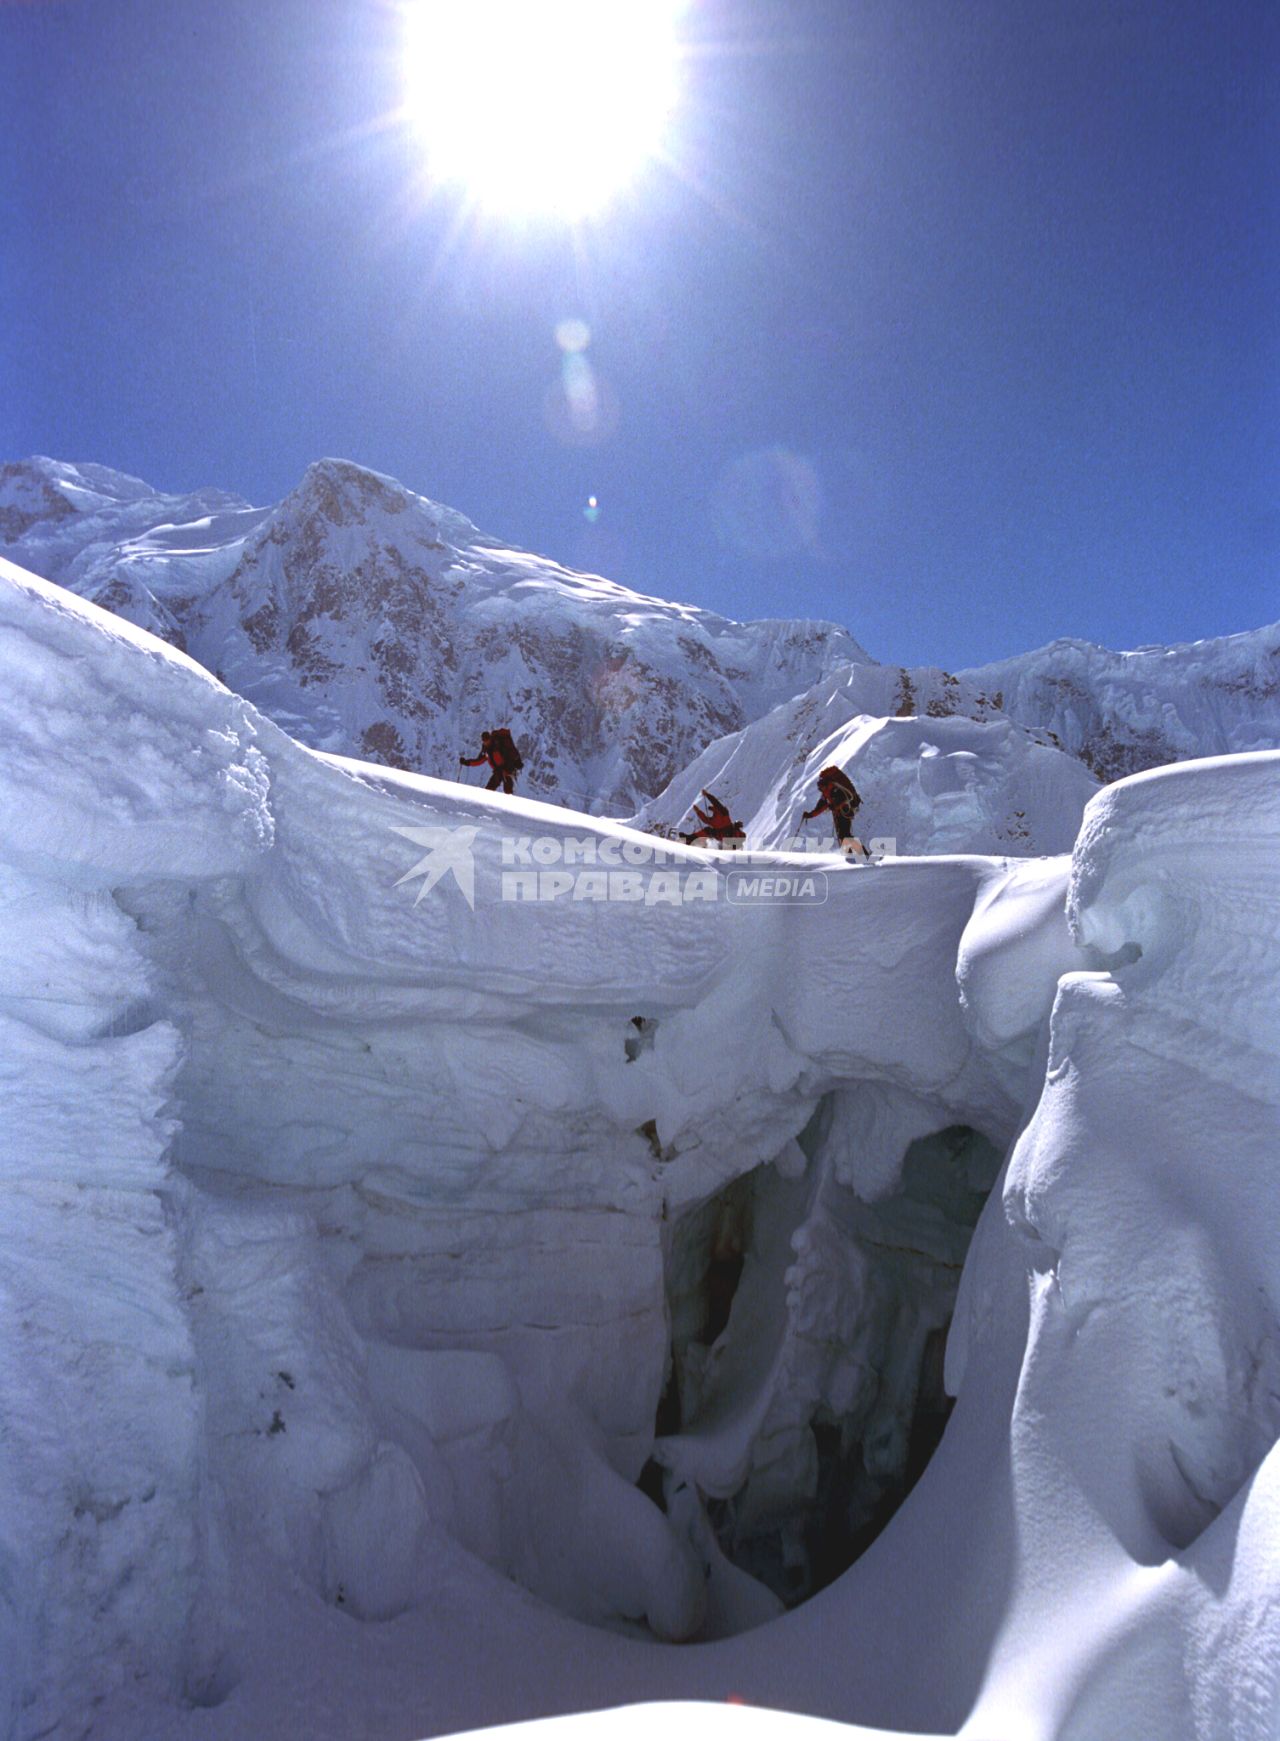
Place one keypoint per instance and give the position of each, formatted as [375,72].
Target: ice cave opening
[804,1394]
[543,1286]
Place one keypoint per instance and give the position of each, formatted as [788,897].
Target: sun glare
[541,105]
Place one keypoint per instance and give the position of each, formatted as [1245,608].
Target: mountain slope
[1043,728]
[1125,712]
[370,621]
[938,767]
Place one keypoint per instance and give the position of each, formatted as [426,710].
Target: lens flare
[573,335]
[580,409]
[768,505]
[581,394]
[541,105]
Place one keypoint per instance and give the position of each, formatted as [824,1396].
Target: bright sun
[541,105]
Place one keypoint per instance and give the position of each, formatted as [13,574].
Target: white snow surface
[370,621]
[682,1721]
[1125,712]
[950,774]
[350,1230]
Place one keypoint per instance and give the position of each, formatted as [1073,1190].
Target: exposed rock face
[27,498]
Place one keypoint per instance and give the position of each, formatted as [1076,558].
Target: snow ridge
[370,621]
[1124,712]
[938,766]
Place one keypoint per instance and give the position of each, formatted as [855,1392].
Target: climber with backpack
[839,795]
[718,827]
[498,749]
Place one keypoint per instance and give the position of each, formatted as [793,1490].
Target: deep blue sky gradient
[960,323]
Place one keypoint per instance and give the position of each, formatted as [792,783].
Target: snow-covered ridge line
[370,621]
[938,766]
[1125,712]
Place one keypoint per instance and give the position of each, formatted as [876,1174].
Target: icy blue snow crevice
[802,1409]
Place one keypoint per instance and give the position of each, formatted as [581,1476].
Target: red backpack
[833,782]
[502,747]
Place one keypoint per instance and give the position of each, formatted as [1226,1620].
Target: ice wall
[407,1174]
[362,1251]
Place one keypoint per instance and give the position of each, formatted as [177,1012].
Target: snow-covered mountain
[396,1220]
[1124,712]
[1002,758]
[370,621]
[938,767]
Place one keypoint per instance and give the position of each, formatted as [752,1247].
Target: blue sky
[960,323]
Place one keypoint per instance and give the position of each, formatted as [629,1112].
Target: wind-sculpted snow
[1178,886]
[1148,1407]
[938,768]
[394,1278]
[370,621]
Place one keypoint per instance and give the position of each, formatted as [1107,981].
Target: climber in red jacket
[718,827]
[839,795]
[498,749]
